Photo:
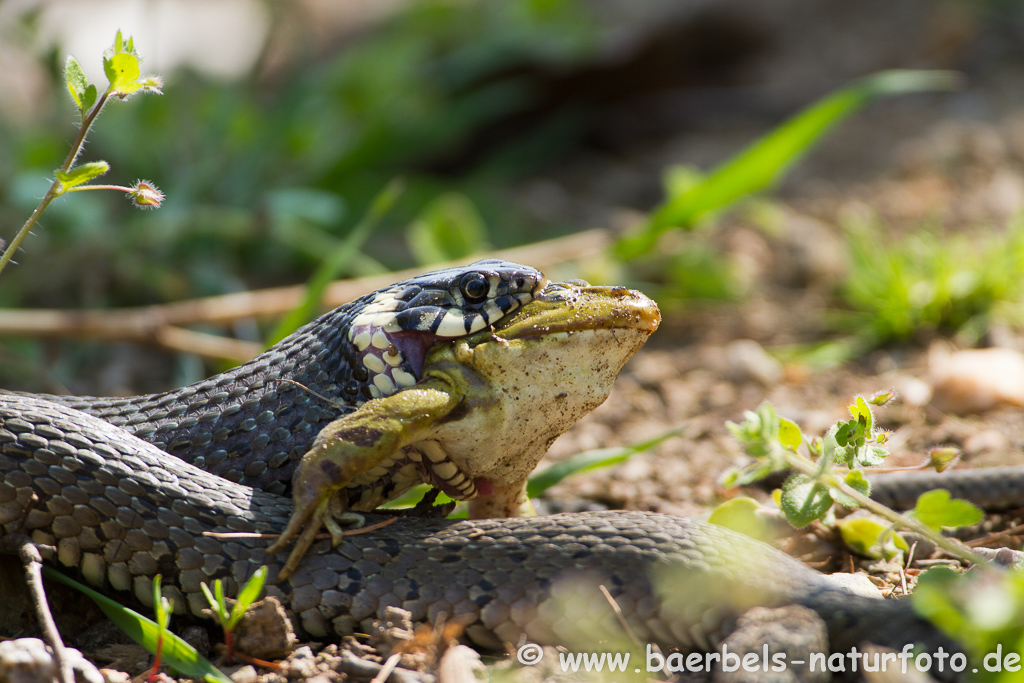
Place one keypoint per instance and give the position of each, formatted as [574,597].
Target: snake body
[119,511]
[97,489]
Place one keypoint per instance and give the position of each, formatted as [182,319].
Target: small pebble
[974,381]
[247,674]
[30,660]
[748,361]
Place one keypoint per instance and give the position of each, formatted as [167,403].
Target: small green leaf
[869,537]
[161,605]
[790,435]
[862,413]
[89,98]
[831,451]
[935,509]
[754,472]
[210,598]
[122,71]
[222,604]
[846,432]
[744,515]
[804,500]
[82,174]
[855,480]
[941,459]
[177,654]
[76,80]
[933,597]
[871,456]
[883,398]
[248,595]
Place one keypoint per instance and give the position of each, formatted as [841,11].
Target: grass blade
[767,159]
[177,654]
[336,261]
[590,460]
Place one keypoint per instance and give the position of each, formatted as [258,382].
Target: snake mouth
[441,472]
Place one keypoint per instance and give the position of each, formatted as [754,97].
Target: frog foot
[339,518]
[309,519]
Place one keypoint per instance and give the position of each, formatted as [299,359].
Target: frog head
[526,381]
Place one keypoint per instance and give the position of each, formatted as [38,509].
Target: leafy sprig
[121,66]
[830,470]
[229,618]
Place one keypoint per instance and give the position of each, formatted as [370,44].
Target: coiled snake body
[119,510]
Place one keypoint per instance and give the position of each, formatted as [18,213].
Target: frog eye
[474,287]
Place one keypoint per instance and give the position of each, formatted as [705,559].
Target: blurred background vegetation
[508,123]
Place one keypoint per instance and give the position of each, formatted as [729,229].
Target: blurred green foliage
[926,283]
[265,177]
[686,267]
[984,611]
[766,160]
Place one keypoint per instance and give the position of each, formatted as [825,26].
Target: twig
[161,324]
[619,615]
[995,535]
[33,562]
[353,666]
[205,344]
[388,667]
[246,659]
[318,537]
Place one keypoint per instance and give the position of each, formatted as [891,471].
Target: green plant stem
[76,146]
[83,188]
[951,546]
[50,195]
[56,189]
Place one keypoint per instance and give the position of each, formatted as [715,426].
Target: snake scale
[119,511]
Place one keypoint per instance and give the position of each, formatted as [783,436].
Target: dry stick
[319,537]
[33,562]
[161,324]
[388,667]
[996,535]
[619,616]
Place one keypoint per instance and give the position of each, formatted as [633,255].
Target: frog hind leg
[352,445]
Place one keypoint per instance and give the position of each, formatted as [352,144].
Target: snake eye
[474,287]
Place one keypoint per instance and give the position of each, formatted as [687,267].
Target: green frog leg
[353,445]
